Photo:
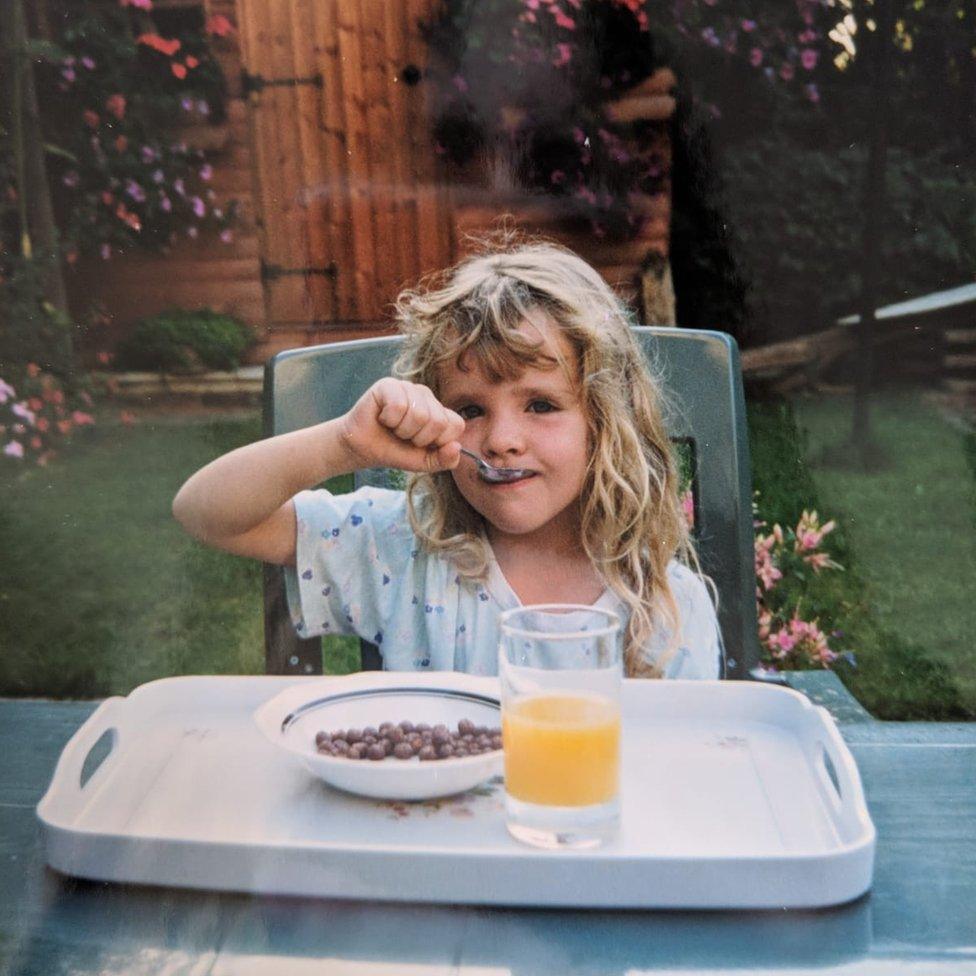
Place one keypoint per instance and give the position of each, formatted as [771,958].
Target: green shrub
[181,340]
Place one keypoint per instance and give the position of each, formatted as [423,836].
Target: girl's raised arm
[241,502]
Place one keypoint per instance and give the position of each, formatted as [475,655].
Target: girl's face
[536,422]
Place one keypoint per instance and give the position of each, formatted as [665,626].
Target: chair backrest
[703,382]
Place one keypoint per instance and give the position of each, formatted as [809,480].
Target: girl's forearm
[240,490]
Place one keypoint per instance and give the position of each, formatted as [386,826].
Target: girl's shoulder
[369,510]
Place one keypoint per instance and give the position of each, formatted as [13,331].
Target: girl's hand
[396,424]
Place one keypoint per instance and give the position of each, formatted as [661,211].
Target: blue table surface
[918,919]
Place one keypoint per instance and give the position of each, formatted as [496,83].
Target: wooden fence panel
[351,206]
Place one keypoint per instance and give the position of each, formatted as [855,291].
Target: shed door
[349,203]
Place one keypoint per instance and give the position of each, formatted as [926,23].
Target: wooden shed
[343,201]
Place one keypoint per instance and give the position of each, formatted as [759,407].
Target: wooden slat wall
[345,171]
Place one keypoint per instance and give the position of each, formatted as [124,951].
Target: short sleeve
[349,552]
[699,652]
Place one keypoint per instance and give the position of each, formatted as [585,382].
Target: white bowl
[291,719]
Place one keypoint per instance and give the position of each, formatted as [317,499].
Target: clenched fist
[396,424]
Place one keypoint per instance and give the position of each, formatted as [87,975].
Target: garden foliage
[179,340]
[117,91]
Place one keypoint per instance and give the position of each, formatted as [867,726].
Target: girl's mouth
[509,482]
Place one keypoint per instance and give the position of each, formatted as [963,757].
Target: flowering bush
[783,559]
[534,76]
[38,416]
[121,89]
[787,557]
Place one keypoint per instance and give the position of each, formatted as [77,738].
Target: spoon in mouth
[496,476]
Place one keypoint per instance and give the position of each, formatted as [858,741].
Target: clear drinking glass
[560,669]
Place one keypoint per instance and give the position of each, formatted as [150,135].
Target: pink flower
[748,26]
[206,171]
[7,392]
[219,26]
[564,55]
[116,105]
[168,47]
[227,236]
[812,93]
[199,207]
[755,57]
[14,449]
[561,19]
[787,71]
[809,58]
[139,4]
[82,419]
[688,508]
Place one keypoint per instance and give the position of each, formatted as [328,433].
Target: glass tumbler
[560,667]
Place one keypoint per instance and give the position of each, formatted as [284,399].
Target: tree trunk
[43,315]
[874,202]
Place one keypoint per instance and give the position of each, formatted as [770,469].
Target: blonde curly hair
[631,519]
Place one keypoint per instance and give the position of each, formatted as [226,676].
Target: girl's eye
[469,412]
[541,406]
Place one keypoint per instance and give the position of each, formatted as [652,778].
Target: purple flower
[227,236]
[755,57]
[158,176]
[71,178]
[68,74]
[88,62]
[148,154]
[809,58]
[199,207]
[812,93]
[105,251]
[23,411]
[203,107]
[165,204]
[206,171]
[186,104]
[6,391]
[135,191]
[179,187]
[14,449]
[748,26]
[710,37]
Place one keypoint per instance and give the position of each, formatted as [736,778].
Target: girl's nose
[504,438]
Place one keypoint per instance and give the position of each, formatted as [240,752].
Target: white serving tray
[728,802]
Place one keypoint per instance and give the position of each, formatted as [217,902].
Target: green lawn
[911,525]
[101,591]
[100,588]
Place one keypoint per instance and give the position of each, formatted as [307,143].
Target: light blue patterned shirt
[361,570]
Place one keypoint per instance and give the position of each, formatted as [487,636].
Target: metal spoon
[495,475]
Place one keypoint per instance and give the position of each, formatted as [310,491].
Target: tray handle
[83,757]
[837,775]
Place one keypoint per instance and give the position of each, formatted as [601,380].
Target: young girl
[523,356]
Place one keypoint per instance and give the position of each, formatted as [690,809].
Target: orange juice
[562,749]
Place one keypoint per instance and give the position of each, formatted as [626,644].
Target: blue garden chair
[702,378]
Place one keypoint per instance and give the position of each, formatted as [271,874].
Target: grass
[101,591]
[911,524]
[100,588]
